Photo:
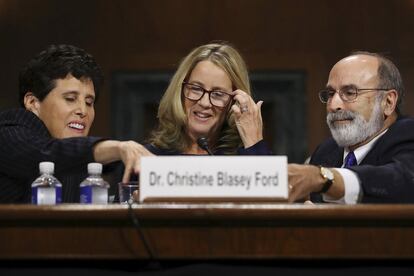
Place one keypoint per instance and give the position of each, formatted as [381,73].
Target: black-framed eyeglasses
[347,94]
[195,92]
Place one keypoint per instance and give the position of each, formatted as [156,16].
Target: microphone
[203,143]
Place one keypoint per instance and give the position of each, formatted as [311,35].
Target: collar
[363,150]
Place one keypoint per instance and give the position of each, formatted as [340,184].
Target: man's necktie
[350,160]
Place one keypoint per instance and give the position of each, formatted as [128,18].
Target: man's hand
[306,179]
[303,179]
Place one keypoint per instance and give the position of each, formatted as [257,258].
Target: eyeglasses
[347,94]
[195,92]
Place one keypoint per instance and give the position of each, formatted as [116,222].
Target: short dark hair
[56,62]
[389,76]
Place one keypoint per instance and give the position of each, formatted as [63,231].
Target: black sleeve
[21,150]
[260,148]
[392,182]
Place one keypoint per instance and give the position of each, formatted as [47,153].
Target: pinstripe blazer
[24,142]
[386,174]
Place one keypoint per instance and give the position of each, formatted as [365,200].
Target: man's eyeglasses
[195,92]
[347,94]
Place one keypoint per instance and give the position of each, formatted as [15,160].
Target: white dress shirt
[351,180]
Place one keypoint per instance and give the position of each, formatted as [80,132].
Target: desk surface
[207,231]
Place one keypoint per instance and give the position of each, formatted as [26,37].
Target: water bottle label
[86,194]
[93,195]
[46,195]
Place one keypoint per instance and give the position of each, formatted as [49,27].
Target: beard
[358,129]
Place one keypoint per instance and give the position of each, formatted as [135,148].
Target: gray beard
[358,130]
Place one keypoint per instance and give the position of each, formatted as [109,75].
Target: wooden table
[207,232]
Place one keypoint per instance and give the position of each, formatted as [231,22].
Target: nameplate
[247,178]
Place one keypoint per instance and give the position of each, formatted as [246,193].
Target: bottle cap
[47,167]
[94,168]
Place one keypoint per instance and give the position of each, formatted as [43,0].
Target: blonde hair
[171,131]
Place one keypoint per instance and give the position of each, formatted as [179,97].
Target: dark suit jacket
[24,142]
[260,148]
[386,174]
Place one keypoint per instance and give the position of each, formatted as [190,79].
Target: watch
[328,175]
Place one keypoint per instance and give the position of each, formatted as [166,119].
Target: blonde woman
[209,97]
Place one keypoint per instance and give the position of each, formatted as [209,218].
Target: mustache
[341,115]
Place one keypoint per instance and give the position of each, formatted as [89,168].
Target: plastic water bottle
[94,190]
[46,189]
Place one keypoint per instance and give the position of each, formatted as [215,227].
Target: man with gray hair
[370,157]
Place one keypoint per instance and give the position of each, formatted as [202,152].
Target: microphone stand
[202,142]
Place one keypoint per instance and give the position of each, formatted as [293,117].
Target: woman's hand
[129,152]
[248,118]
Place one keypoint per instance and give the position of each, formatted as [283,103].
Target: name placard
[213,177]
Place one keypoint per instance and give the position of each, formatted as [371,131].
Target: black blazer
[24,142]
[386,174]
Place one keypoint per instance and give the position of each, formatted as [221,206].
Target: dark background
[134,36]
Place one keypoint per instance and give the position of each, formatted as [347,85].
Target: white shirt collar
[363,150]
